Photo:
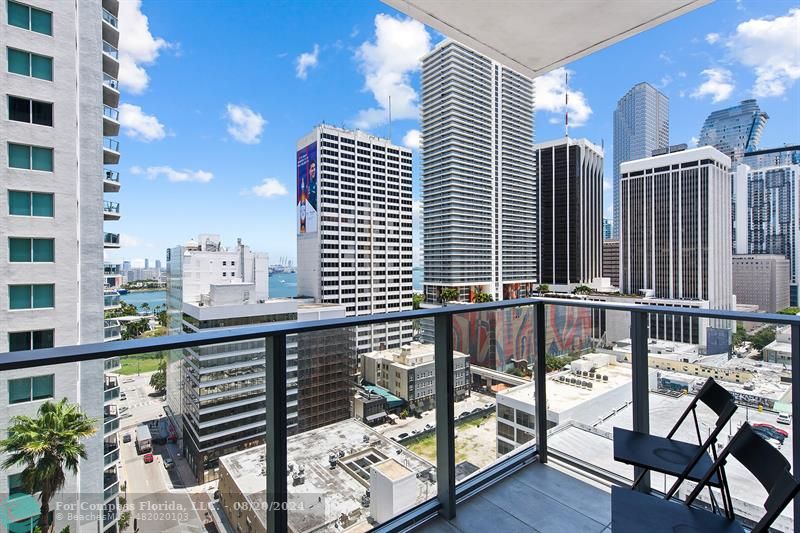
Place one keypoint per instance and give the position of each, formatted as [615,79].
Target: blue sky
[215,95]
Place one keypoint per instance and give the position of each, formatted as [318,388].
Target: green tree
[582,289]
[790,311]
[740,335]
[544,288]
[762,338]
[416,300]
[159,378]
[483,297]
[449,294]
[47,446]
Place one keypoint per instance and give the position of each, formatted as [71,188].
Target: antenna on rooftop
[566,103]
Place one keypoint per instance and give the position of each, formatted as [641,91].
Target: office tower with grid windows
[59,89]
[354,229]
[570,192]
[675,240]
[478,176]
[641,125]
[735,130]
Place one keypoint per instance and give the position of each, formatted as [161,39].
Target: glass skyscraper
[641,125]
[734,131]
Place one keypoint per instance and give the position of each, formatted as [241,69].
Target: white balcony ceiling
[536,36]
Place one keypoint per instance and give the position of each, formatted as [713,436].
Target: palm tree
[544,288]
[449,294]
[47,446]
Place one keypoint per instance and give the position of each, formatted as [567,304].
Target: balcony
[112,331]
[110,121]
[111,240]
[110,59]
[111,210]
[110,28]
[110,450]
[472,460]
[110,181]
[111,300]
[111,364]
[110,90]
[110,151]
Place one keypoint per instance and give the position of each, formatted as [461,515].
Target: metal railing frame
[448,494]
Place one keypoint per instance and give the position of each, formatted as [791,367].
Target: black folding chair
[635,511]
[666,455]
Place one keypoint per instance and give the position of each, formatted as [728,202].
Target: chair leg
[639,478]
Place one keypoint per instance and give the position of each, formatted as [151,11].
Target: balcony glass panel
[110,50]
[111,19]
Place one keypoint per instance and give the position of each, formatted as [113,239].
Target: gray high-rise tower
[478,176]
[641,125]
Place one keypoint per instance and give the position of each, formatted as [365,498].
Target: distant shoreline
[146,290]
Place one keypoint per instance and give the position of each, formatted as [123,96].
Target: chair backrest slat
[715,396]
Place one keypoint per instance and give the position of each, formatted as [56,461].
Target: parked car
[428,427]
[122,396]
[148,458]
[168,463]
[784,418]
[126,437]
[768,434]
[402,435]
[477,410]
[770,426]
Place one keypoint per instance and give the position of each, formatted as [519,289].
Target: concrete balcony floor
[537,498]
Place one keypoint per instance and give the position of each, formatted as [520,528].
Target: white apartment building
[354,234]
[478,176]
[767,215]
[215,393]
[675,238]
[408,373]
[58,84]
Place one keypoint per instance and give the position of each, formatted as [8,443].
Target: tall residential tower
[478,176]
[734,131]
[59,89]
[641,125]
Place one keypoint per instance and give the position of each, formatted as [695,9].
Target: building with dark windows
[762,280]
[570,195]
[215,393]
[641,125]
[611,261]
[675,240]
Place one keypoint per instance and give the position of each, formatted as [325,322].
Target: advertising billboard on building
[307,219]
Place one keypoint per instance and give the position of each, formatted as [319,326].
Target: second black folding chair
[683,460]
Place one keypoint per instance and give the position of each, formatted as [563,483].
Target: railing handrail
[89,352]
[110,112]
[111,144]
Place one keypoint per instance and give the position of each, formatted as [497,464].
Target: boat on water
[122,291]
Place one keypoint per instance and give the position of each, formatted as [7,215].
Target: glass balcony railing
[111,175]
[110,81]
[111,144]
[111,112]
[111,299]
[111,19]
[111,207]
[110,50]
[560,376]
[112,363]
[111,238]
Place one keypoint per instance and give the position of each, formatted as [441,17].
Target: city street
[138,406]
[411,424]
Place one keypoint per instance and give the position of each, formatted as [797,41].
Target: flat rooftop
[563,397]
[328,492]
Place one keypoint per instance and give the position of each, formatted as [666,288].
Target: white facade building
[354,239]
[59,96]
[675,237]
[478,176]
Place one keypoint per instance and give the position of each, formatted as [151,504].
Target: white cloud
[606,185]
[171,174]
[306,61]
[268,188]
[244,124]
[412,139]
[139,125]
[663,56]
[771,47]
[387,65]
[712,38]
[137,47]
[694,141]
[550,89]
[718,85]
[665,80]
[127,241]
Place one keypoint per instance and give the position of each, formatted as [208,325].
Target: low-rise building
[408,372]
[780,350]
[762,280]
[369,407]
[336,474]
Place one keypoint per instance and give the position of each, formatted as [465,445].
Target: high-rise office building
[611,261]
[641,125]
[570,193]
[478,176]
[608,229]
[354,234]
[675,240]
[215,393]
[735,130]
[768,216]
[59,88]
[762,280]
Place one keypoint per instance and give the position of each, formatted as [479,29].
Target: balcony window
[30,389]
[27,204]
[30,111]
[30,340]
[40,296]
[28,64]
[30,157]
[31,250]
[30,18]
